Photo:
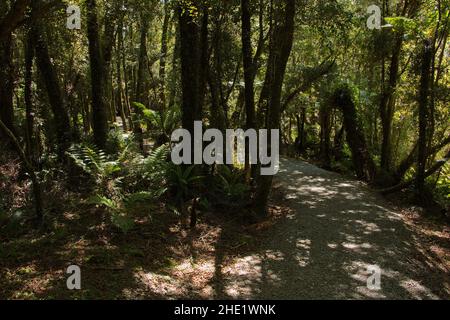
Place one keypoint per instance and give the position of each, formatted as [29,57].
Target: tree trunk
[423,116]
[249,71]
[107,50]
[29,110]
[54,91]
[301,121]
[280,50]
[162,61]
[362,160]
[387,105]
[190,57]
[325,136]
[248,65]
[99,112]
[122,66]
[141,94]
[203,62]
[120,93]
[432,170]
[12,18]
[7,81]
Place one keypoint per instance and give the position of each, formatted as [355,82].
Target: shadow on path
[322,250]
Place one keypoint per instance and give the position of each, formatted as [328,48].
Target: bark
[13,18]
[141,94]
[107,50]
[175,66]
[301,121]
[423,115]
[190,57]
[7,82]
[54,91]
[204,62]
[218,116]
[120,94]
[280,50]
[387,105]
[29,109]
[249,72]
[123,87]
[432,170]
[412,157]
[325,136]
[308,81]
[216,68]
[7,25]
[407,9]
[162,61]
[99,111]
[248,64]
[362,160]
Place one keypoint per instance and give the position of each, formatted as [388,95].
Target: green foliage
[183,180]
[231,183]
[442,191]
[142,197]
[118,142]
[119,217]
[121,207]
[161,123]
[156,163]
[143,111]
[121,221]
[402,24]
[110,175]
[93,161]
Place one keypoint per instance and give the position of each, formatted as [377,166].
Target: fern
[119,216]
[231,184]
[143,197]
[183,180]
[122,221]
[110,175]
[163,122]
[93,161]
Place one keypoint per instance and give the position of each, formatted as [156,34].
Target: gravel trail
[337,230]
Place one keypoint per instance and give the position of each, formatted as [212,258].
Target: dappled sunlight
[324,249]
[243,276]
[330,233]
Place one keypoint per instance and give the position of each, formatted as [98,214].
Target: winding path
[338,227]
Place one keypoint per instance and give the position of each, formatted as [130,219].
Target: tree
[279,51]
[52,83]
[190,66]
[99,113]
[423,116]
[164,53]
[249,70]
[7,81]
[363,163]
[13,18]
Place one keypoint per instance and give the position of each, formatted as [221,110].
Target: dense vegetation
[87,114]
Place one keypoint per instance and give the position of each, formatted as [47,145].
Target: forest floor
[324,231]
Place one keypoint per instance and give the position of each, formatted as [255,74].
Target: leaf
[103,201]
[402,24]
[123,222]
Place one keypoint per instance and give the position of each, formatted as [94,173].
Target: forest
[352,97]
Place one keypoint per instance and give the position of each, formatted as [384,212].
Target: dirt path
[322,250]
